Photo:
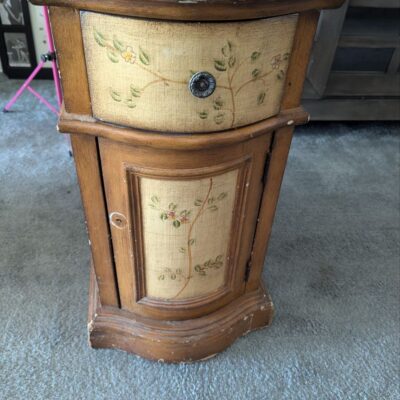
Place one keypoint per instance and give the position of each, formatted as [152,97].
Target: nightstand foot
[177,341]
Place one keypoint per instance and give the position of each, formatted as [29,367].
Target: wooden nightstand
[181,116]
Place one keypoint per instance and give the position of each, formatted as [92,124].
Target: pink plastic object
[56,77]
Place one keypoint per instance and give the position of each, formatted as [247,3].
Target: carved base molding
[177,341]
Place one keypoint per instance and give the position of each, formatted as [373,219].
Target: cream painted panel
[186,231]
[139,71]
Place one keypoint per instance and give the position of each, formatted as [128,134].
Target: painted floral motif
[229,63]
[171,213]
[177,217]
[129,55]
[217,263]
[173,274]
[224,99]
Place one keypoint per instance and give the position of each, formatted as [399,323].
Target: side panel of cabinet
[182,224]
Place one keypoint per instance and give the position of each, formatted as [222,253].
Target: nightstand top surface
[195,10]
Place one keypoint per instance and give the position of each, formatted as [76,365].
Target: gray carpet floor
[332,270]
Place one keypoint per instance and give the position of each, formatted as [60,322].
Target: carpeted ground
[332,270]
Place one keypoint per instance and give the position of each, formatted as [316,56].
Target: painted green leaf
[232,61]
[155,199]
[218,103]
[255,73]
[116,96]
[222,196]
[191,242]
[202,273]
[280,74]
[198,202]
[203,114]
[113,56]
[255,55]
[211,200]
[176,224]
[151,205]
[173,276]
[161,277]
[219,118]
[118,44]
[197,268]
[213,208]
[182,250]
[220,65]
[164,216]
[136,92]
[172,206]
[227,49]
[143,57]
[219,258]
[130,103]
[99,38]
[286,56]
[261,98]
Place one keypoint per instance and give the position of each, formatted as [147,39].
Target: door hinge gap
[247,272]
[266,168]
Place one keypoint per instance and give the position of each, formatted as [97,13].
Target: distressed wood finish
[176,341]
[281,142]
[90,181]
[119,167]
[118,160]
[72,124]
[66,28]
[216,10]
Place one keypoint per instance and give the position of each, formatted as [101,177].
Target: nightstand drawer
[185,77]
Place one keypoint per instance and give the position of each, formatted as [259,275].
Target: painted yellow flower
[129,55]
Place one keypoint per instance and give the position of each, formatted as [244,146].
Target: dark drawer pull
[202,84]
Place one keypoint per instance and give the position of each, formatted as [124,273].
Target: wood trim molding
[196,10]
[281,142]
[90,182]
[279,155]
[66,23]
[73,124]
[302,46]
[232,283]
[177,341]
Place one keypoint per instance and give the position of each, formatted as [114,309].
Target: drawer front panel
[139,71]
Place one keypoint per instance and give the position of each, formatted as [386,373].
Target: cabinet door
[182,224]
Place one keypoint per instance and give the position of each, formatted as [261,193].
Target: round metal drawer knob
[202,84]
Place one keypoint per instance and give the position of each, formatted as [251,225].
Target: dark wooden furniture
[18,55]
[181,133]
[17,50]
[354,71]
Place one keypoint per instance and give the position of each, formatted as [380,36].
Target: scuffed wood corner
[177,341]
